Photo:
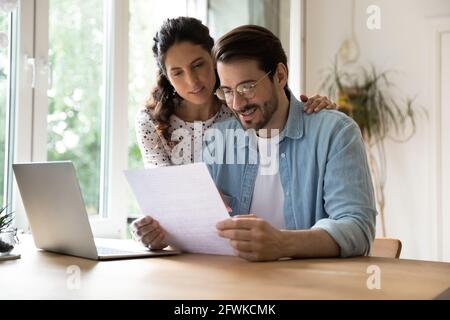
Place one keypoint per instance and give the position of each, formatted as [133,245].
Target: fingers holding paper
[252,238]
[149,232]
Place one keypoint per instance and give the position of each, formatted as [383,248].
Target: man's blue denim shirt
[324,173]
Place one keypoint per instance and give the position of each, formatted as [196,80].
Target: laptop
[57,215]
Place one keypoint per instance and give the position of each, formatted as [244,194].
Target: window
[146,18]
[4,88]
[7,93]
[274,15]
[76,90]
[225,15]
[68,110]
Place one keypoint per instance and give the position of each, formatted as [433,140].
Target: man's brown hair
[253,43]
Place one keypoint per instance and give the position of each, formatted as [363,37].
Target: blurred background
[73,74]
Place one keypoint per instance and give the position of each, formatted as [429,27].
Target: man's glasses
[246,90]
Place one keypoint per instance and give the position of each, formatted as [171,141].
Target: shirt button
[283,155]
[287,193]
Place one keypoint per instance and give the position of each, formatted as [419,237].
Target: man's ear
[281,75]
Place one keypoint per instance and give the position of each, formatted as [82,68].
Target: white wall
[417,190]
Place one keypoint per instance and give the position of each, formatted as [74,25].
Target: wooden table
[44,275]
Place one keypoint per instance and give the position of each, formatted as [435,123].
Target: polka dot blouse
[157,151]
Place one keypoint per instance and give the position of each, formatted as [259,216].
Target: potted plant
[7,234]
[365,94]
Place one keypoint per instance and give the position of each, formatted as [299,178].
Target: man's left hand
[252,238]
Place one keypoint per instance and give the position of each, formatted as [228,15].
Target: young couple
[319,203]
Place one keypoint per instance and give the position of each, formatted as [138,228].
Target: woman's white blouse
[157,151]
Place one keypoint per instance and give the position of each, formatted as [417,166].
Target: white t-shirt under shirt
[268,194]
[268,200]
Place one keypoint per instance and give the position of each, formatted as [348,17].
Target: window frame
[24,100]
[10,110]
[113,185]
[31,123]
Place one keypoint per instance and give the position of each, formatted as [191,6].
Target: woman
[183,99]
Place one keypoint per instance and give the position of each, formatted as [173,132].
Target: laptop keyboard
[111,251]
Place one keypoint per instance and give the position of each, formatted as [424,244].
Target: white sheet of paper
[185,201]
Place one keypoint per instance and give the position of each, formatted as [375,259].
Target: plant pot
[7,241]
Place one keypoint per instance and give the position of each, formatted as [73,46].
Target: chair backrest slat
[386,248]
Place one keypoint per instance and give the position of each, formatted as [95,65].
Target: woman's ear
[281,75]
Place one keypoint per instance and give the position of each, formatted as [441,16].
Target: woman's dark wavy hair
[163,98]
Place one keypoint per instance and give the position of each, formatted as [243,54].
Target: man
[319,202]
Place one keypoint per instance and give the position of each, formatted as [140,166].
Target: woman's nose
[192,78]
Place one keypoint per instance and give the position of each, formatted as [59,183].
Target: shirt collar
[294,128]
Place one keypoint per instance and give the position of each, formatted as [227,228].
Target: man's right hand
[149,232]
